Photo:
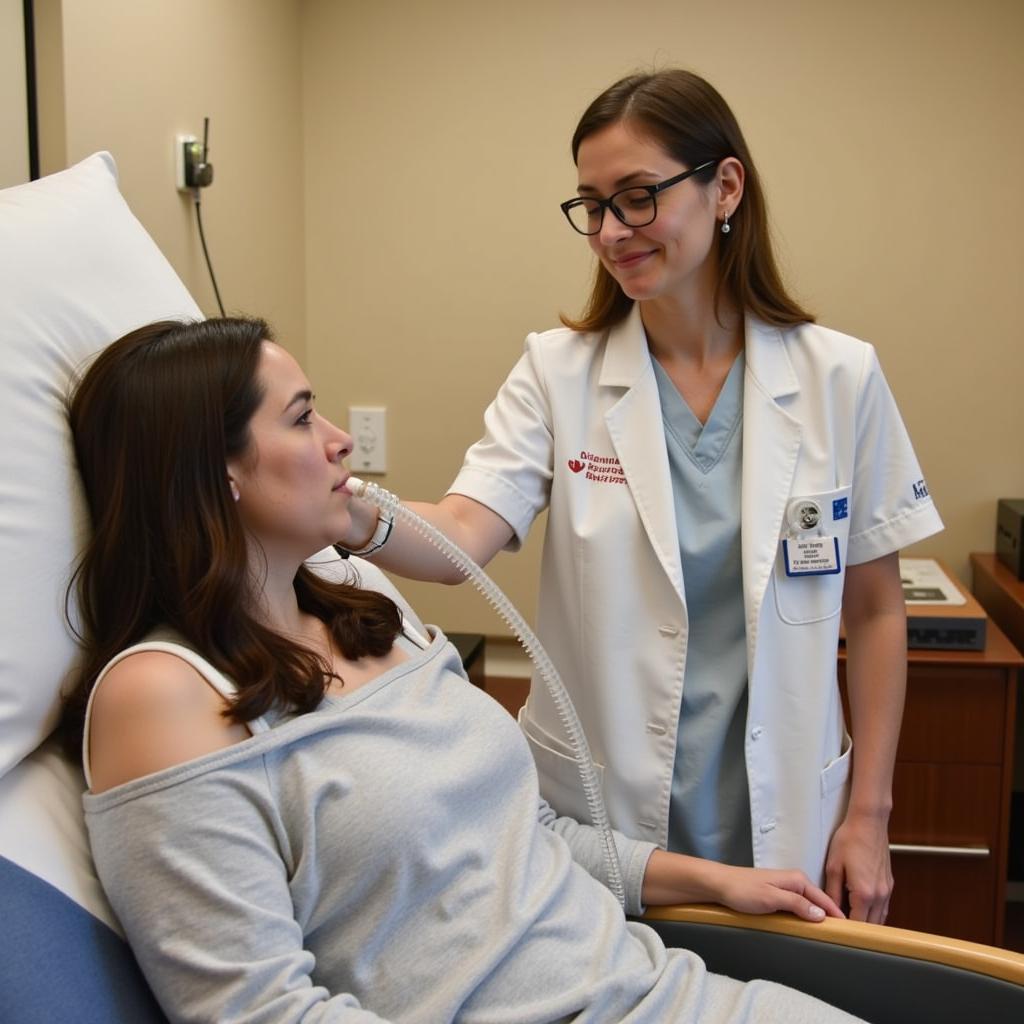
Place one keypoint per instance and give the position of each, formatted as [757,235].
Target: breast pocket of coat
[557,771]
[804,599]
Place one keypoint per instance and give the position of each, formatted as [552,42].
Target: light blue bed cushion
[59,963]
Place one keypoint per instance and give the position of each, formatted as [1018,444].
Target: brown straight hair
[688,118]
[155,420]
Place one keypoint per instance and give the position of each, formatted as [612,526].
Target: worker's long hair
[155,420]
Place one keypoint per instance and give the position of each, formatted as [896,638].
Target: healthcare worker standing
[724,478]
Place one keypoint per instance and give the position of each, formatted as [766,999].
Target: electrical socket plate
[368,426]
[188,151]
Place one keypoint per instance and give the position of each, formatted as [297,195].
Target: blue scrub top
[710,810]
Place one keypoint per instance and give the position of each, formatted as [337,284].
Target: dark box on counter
[1010,534]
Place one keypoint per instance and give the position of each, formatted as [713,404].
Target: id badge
[811,556]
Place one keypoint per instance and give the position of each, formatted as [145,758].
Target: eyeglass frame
[609,203]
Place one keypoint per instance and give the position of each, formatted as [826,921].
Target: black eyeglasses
[635,207]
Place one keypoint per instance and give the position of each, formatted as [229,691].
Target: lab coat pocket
[805,599]
[559,777]
[834,791]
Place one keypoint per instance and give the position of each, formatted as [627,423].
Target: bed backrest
[77,270]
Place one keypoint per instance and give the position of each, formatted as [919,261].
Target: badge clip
[805,554]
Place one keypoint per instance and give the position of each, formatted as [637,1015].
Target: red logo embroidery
[600,469]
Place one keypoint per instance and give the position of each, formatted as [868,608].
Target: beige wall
[13,107]
[388,177]
[128,77]
[887,134]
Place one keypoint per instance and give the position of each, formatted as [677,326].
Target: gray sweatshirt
[387,857]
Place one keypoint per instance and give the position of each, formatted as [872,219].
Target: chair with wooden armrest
[884,975]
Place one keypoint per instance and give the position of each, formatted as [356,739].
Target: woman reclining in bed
[298,807]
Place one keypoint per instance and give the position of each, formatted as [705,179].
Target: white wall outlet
[368,426]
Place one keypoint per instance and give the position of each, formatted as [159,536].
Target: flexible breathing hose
[390,504]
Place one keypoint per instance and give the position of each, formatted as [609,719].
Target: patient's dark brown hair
[155,420]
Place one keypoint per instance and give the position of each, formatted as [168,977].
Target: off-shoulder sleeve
[196,873]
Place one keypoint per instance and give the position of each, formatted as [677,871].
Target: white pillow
[77,270]
[42,828]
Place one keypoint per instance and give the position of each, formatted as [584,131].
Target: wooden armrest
[970,956]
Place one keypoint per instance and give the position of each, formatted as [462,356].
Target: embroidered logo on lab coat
[840,509]
[920,490]
[600,469]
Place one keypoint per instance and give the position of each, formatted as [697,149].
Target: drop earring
[234,491]
[725,225]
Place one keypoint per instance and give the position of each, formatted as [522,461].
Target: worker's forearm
[876,677]
[876,684]
[409,554]
[480,532]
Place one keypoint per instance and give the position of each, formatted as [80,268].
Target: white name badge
[811,556]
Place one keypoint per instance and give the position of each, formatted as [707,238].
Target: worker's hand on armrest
[675,878]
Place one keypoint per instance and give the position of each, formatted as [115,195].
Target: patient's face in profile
[289,480]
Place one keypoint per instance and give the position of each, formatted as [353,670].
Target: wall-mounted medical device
[192,167]
[193,172]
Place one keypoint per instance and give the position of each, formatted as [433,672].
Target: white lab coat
[577,428]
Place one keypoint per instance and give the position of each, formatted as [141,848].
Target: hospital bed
[77,270]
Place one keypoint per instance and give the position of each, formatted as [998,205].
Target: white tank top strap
[215,678]
[413,634]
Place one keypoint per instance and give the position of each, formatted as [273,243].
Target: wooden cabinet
[951,790]
[1001,594]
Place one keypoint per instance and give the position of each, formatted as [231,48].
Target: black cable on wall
[28,16]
